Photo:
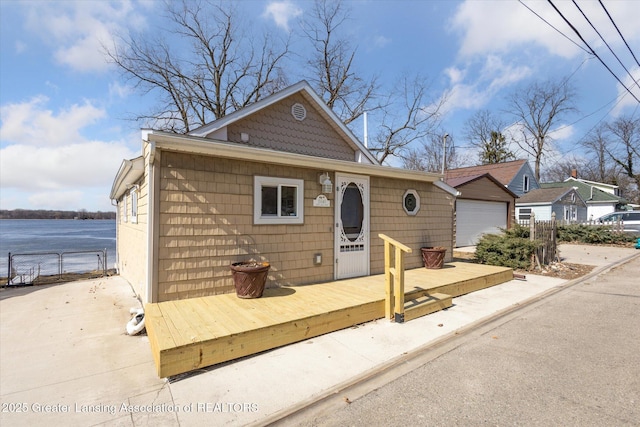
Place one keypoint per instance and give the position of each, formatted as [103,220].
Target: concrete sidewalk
[65,359]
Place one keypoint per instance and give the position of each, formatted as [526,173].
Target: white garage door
[475,218]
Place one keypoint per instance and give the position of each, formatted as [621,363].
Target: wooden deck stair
[422,304]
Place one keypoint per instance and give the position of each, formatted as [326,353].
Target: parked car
[630,220]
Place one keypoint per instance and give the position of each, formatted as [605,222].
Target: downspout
[116,263]
[150,273]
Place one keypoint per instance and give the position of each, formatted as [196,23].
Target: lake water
[50,235]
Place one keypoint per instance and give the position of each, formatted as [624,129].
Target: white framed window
[278,200]
[134,205]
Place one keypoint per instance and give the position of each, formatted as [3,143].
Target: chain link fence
[49,267]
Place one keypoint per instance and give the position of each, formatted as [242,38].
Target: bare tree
[561,170]
[595,144]
[537,108]
[208,69]
[428,157]
[483,131]
[331,65]
[407,116]
[624,148]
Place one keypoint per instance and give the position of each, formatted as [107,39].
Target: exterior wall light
[325,181]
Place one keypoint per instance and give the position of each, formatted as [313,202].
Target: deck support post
[394,290]
[388,289]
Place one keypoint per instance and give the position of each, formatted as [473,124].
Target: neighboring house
[283,181]
[599,202]
[516,175]
[607,188]
[484,206]
[565,202]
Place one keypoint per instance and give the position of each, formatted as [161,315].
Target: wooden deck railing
[394,289]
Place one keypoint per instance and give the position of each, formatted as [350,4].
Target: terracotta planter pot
[433,257]
[250,278]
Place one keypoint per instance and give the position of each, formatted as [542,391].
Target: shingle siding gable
[517,183]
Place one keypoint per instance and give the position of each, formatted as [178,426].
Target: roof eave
[224,149]
[129,173]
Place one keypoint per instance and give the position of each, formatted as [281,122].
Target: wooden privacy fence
[545,233]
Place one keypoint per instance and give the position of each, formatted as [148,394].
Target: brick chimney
[574,173]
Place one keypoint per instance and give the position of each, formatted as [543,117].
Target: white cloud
[472,89]
[77,30]
[119,90]
[31,123]
[562,133]
[455,75]
[63,200]
[90,164]
[381,41]
[495,26]
[626,100]
[282,12]
[498,26]
[47,162]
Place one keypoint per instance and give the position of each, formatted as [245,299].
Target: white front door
[352,226]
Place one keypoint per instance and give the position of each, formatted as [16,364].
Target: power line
[605,42]
[617,29]
[576,144]
[592,51]
[549,24]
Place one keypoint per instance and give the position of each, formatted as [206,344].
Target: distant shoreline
[52,214]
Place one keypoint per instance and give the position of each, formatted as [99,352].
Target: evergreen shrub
[591,234]
[512,248]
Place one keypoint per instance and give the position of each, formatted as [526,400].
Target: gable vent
[298,111]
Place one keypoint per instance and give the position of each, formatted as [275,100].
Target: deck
[189,334]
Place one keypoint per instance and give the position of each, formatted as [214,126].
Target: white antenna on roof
[366,131]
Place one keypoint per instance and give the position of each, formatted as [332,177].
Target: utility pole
[444,151]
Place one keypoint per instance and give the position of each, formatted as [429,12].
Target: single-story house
[484,206]
[599,202]
[516,175]
[566,203]
[282,181]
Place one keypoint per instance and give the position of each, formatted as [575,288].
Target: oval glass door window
[352,212]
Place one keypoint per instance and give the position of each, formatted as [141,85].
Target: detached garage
[484,206]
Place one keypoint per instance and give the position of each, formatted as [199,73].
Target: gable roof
[504,172]
[463,180]
[545,196]
[309,94]
[589,194]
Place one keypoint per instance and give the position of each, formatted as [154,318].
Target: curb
[360,385]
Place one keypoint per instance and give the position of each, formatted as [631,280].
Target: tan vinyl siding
[275,128]
[206,223]
[132,242]
[431,226]
[132,237]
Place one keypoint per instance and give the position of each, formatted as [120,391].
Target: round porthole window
[411,202]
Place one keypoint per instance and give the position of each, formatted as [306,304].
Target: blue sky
[64,126]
